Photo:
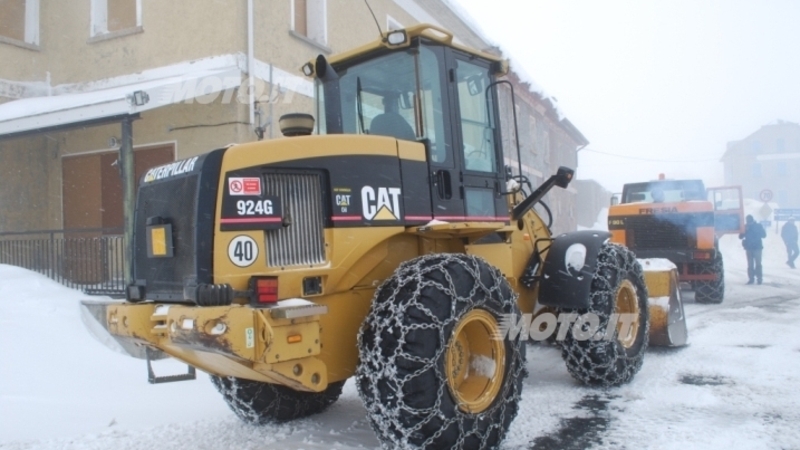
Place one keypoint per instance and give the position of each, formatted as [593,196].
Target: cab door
[437,112]
[728,209]
[475,138]
[459,122]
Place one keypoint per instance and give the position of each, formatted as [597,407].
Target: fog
[655,86]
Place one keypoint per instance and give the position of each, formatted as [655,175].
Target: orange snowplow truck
[679,220]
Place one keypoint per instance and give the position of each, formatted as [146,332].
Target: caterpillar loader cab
[392,246]
[680,220]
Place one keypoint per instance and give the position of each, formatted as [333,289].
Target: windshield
[402,94]
[664,191]
[377,97]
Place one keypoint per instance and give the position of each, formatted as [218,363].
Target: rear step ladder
[153,379]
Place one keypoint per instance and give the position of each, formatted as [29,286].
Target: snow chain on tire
[259,403]
[403,346]
[599,361]
[711,291]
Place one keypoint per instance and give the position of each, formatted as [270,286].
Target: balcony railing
[90,260]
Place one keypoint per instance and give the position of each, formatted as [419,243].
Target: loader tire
[433,373]
[259,403]
[711,291]
[618,287]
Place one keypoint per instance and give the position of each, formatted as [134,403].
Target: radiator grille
[663,231]
[303,241]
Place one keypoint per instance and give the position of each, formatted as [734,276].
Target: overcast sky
[668,80]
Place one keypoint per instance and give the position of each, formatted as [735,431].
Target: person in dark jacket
[753,233]
[789,235]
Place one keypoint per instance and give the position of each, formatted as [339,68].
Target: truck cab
[679,220]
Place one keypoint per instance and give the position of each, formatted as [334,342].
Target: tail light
[263,290]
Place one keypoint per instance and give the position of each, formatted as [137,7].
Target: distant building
[768,159]
[591,199]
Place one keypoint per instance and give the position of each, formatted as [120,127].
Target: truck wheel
[711,291]
[433,371]
[259,403]
[618,287]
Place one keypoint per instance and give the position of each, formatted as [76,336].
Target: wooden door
[92,200]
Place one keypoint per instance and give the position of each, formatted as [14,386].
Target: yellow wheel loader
[391,246]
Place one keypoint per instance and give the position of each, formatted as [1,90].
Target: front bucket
[93,316]
[667,320]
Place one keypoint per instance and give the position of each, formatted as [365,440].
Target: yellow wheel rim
[475,361]
[627,303]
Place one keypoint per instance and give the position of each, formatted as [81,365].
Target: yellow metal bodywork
[308,353]
[667,319]
[228,340]
[627,303]
[432,32]
[357,261]
[475,362]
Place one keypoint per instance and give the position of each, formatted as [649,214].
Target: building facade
[768,160]
[193,79]
[592,198]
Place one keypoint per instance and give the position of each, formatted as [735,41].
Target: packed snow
[733,386]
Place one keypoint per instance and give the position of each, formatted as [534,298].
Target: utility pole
[128,174]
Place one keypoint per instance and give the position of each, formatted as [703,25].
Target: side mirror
[560,179]
[564,176]
[614,200]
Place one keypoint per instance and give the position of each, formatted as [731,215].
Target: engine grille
[303,241]
[661,231]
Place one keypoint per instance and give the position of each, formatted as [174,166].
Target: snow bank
[57,381]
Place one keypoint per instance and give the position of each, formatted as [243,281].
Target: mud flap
[667,319]
[569,267]
[93,316]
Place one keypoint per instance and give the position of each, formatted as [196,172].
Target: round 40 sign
[243,251]
[765,195]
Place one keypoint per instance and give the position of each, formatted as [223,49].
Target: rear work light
[263,290]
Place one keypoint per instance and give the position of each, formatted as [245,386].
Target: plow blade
[667,320]
[94,317]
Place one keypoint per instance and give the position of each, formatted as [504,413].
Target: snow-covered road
[734,386]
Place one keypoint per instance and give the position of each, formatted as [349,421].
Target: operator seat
[392,124]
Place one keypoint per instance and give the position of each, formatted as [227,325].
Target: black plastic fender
[569,268]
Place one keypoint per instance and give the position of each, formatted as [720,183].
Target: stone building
[592,197]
